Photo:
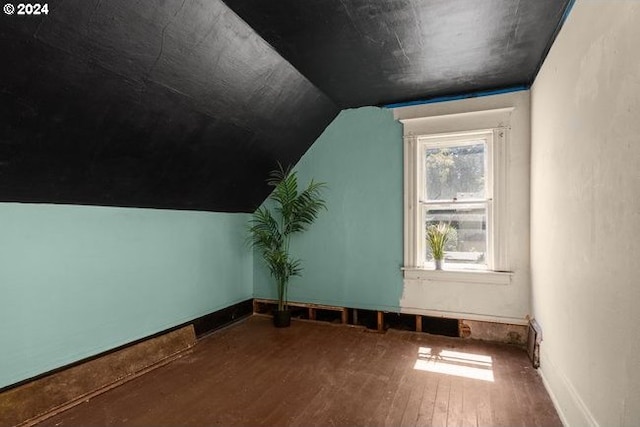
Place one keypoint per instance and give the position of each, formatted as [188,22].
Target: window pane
[467,245]
[455,172]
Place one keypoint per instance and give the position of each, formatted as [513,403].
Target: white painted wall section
[500,299]
[585,214]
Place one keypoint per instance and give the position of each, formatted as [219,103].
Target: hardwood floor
[321,374]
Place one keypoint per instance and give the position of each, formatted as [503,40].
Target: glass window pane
[467,244]
[455,172]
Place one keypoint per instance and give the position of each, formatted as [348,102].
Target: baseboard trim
[554,399]
[548,369]
[211,322]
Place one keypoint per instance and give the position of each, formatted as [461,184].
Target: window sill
[459,276]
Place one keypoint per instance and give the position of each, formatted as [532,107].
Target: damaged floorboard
[320,374]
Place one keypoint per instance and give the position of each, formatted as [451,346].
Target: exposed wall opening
[366,318]
[440,326]
[430,325]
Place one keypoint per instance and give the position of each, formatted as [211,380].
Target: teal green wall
[352,255]
[76,281]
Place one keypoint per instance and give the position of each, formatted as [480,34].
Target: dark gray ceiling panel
[153,104]
[363,52]
[187,104]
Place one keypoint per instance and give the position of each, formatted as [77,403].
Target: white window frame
[497,216]
[446,141]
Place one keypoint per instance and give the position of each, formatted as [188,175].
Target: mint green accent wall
[353,253]
[77,280]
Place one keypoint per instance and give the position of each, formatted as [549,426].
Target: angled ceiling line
[476,94]
[462,47]
[274,50]
[565,16]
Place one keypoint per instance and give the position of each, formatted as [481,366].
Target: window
[457,179]
[455,189]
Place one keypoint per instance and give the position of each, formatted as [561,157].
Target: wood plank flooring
[315,374]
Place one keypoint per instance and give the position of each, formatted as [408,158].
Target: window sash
[483,205]
[453,141]
[455,203]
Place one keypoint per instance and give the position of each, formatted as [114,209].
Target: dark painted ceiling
[181,104]
[169,104]
[363,52]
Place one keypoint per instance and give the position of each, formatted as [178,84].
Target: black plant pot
[281,319]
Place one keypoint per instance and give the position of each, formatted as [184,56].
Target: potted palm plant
[271,231]
[438,236]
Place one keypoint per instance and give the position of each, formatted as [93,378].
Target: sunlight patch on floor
[460,364]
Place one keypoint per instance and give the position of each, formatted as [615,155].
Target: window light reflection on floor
[468,365]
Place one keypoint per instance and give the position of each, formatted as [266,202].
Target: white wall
[506,303]
[586,214]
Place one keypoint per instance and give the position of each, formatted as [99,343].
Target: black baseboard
[221,318]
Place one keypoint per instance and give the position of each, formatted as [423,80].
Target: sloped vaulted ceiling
[363,52]
[175,104]
[187,104]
